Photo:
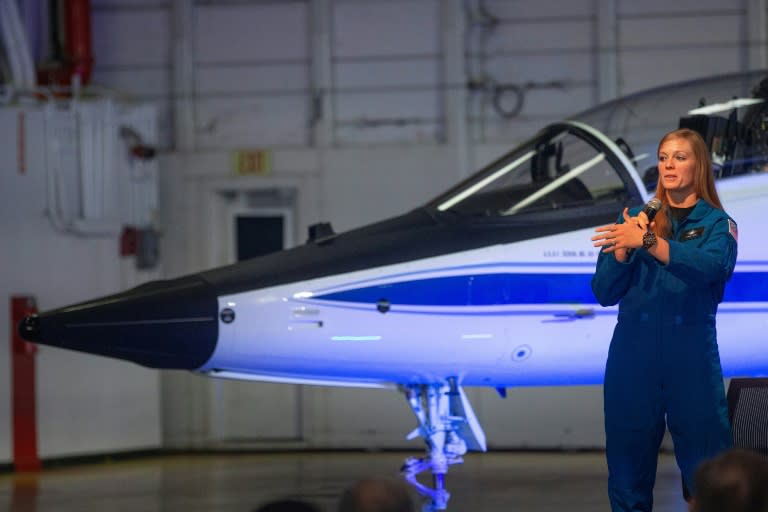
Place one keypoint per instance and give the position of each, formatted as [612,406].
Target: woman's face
[677,166]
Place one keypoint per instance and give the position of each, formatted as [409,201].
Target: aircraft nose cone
[164,324]
[29,328]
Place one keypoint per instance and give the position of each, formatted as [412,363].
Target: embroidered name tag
[691,234]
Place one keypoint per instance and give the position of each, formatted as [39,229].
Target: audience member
[376,495]
[734,481]
[288,505]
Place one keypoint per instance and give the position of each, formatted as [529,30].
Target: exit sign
[252,162]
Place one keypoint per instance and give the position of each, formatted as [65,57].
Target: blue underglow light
[355,338]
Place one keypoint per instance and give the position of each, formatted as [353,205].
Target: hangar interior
[198,113]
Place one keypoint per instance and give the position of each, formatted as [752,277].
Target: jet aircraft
[486,285]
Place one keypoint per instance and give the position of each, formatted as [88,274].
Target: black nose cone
[164,324]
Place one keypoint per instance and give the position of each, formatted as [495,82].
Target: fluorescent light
[488,179]
[355,338]
[728,105]
[579,169]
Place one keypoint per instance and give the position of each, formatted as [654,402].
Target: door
[249,411]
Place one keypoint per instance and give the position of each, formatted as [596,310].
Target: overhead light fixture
[722,107]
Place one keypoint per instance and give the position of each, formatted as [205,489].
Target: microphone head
[652,207]
[654,204]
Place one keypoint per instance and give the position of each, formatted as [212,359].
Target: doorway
[258,222]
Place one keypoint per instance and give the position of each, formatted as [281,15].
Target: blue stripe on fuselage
[516,288]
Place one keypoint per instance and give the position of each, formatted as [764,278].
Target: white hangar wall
[85,404]
[364,108]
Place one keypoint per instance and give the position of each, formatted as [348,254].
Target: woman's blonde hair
[703,179]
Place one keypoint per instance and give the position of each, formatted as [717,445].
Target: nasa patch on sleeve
[733,229]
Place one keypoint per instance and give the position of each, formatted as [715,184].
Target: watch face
[649,240]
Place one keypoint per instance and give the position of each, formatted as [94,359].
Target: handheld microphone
[651,208]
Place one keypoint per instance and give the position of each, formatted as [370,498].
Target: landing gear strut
[449,428]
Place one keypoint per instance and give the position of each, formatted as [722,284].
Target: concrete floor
[490,482]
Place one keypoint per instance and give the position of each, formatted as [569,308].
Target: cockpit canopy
[565,165]
[607,155]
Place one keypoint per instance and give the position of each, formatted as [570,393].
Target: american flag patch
[733,230]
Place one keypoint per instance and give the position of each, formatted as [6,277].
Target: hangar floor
[490,482]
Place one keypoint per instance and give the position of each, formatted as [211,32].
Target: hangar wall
[364,108]
[84,404]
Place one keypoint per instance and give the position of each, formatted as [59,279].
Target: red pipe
[24,409]
[77,18]
[77,58]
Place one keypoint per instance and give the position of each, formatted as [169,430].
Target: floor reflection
[24,491]
[532,482]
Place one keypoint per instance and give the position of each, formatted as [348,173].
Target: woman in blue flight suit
[663,365]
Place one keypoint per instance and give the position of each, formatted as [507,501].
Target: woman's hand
[617,238]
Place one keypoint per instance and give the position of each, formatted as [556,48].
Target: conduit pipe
[16,44]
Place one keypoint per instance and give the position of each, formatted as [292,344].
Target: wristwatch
[649,240]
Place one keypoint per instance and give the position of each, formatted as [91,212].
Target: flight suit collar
[698,213]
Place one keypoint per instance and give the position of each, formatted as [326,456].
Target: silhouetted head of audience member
[734,481]
[288,505]
[376,495]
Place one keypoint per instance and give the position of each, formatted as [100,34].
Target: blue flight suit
[663,362]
